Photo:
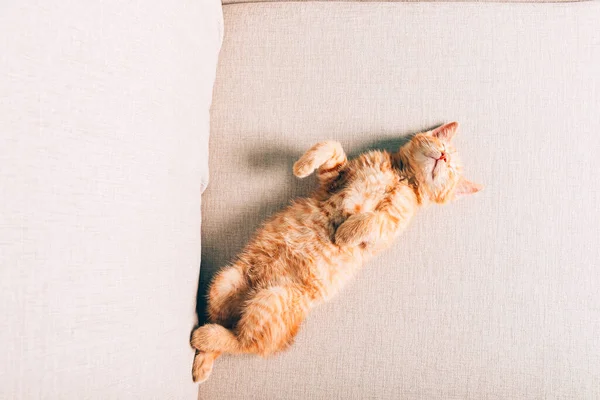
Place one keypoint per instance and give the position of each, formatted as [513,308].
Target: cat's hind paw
[202,367]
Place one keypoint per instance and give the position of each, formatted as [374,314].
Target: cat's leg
[325,157]
[270,320]
[225,299]
[226,295]
[379,226]
[210,341]
[358,228]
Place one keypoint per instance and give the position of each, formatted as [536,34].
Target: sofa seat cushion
[227,2]
[495,296]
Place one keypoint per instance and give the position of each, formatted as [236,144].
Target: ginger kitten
[306,253]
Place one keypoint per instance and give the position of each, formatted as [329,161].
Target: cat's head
[432,159]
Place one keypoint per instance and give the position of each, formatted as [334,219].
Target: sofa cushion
[104,127]
[225,2]
[492,297]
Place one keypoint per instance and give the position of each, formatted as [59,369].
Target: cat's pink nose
[443,157]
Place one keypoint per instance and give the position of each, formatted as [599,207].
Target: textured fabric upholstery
[103,138]
[493,297]
[225,2]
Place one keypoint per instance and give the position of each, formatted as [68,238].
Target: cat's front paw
[303,168]
[355,230]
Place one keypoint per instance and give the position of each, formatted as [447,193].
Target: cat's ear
[465,187]
[445,132]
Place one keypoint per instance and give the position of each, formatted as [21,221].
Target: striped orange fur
[306,253]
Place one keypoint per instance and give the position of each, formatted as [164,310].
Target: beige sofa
[103,158]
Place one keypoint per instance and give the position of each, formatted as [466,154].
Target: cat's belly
[333,274]
[296,248]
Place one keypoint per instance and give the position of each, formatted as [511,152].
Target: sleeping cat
[306,253]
